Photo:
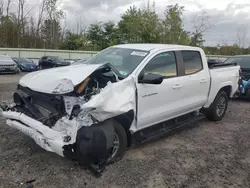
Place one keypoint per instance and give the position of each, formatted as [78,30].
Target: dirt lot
[206,155]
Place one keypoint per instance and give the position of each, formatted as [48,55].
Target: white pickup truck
[123,95]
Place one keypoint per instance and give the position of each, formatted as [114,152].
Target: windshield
[56,58]
[242,61]
[123,60]
[23,60]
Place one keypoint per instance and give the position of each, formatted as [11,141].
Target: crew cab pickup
[125,94]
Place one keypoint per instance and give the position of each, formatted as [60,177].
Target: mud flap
[94,145]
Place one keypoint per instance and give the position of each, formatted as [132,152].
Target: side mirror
[151,79]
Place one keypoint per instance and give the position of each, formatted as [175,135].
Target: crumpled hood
[58,80]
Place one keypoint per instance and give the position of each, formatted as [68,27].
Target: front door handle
[177,86]
[203,81]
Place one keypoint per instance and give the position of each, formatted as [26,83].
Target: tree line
[140,25]
[19,28]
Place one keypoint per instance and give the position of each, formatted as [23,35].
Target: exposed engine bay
[49,108]
[60,120]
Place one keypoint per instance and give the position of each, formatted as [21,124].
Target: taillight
[240,74]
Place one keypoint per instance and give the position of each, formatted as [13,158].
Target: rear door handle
[203,81]
[177,86]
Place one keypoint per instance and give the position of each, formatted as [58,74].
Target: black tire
[17,71]
[212,113]
[122,136]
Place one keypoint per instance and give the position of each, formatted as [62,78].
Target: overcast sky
[227,15]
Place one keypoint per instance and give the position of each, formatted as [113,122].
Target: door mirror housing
[151,79]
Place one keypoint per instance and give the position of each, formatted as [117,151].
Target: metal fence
[66,54]
[38,53]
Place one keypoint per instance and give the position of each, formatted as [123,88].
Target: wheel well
[126,120]
[227,90]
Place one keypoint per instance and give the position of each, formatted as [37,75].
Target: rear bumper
[45,137]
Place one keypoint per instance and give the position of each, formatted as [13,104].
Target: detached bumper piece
[45,137]
[92,147]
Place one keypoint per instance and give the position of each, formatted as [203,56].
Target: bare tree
[54,14]
[22,16]
[241,35]
[201,23]
[41,14]
[8,7]
[1,7]
[64,26]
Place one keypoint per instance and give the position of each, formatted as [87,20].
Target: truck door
[157,103]
[195,81]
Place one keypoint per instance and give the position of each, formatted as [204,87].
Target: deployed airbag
[115,99]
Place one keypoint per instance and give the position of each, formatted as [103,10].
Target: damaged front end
[73,119]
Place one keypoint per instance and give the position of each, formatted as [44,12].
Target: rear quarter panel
[222,77]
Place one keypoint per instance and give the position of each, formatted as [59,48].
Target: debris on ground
[209,155]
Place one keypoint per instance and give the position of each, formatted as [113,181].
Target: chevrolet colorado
[123,95]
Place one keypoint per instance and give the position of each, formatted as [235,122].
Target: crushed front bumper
[45,137]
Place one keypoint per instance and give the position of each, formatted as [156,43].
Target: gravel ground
[206,155]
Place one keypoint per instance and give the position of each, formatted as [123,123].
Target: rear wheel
[218,108]
[40,67]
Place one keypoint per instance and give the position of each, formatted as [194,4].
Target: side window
[48,58]
[192,62]
[163,64]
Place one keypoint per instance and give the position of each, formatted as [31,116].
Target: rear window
[192,62]
[242,61]
[56,58]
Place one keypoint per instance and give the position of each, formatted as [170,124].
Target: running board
[164,128]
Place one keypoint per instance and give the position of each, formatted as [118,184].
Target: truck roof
[149,47]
